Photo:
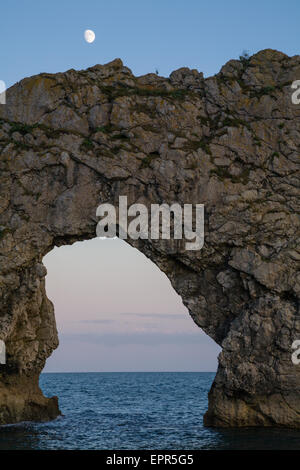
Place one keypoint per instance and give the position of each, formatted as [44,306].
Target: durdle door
[72,140]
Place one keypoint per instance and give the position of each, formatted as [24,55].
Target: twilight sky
[115,310]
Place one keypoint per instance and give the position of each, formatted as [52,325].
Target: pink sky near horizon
[116,311]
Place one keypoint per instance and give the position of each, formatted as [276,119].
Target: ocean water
[135,411]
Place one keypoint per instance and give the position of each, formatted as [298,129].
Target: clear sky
[115,310]
[47,36]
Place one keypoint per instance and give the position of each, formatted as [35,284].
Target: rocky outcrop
[72,140]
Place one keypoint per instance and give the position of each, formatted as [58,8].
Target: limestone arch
[72,140]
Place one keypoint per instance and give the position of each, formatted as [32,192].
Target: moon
[89,35]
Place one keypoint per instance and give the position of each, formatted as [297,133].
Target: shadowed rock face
[72,140]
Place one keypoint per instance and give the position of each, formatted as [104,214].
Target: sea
[136,410]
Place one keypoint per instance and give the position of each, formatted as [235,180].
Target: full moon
[89,35]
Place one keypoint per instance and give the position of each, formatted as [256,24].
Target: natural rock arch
[72,140]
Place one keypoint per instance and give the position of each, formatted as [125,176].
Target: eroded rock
[72,140]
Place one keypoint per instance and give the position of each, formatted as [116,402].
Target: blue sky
[115,310]
[47,36]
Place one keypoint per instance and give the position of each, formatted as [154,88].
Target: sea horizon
[134,372]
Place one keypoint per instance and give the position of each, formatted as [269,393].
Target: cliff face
[72,140]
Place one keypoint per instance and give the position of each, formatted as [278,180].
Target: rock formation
[72,140]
